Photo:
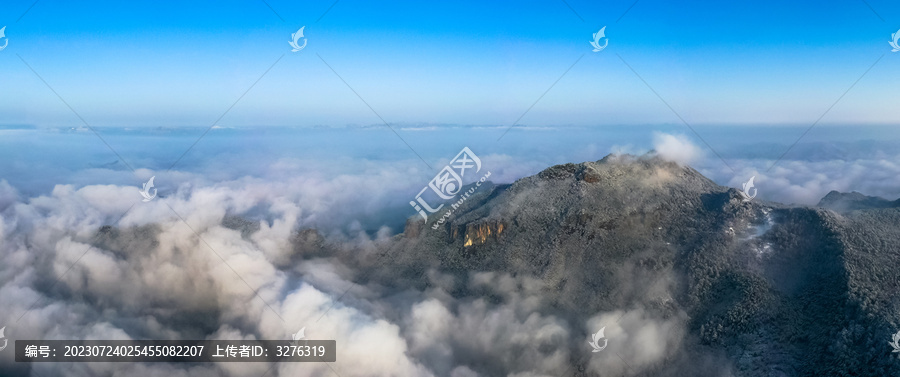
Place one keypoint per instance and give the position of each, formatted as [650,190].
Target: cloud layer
[217,256]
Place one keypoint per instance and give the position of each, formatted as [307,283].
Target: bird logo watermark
[893,43]
[300,335]
[2,336]
[896,343]
[145,192]
[595,343]
[596,42]
[746,187]
[3,35]
[296,37]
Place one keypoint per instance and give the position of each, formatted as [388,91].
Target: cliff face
[478,233]
[775,291]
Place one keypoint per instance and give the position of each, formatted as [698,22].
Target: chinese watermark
[447,185]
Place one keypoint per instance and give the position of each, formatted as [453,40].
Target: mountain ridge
[750,278]
[686,277]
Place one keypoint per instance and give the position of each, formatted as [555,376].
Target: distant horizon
[444,125]
[828,157]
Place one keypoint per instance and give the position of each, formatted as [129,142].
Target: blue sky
[169,64]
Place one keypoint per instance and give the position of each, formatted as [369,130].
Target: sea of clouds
[177,268]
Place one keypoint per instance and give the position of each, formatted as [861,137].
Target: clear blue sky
[120,63]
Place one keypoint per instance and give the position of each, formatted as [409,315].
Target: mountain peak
[845,202]
[627,171]
[638,234]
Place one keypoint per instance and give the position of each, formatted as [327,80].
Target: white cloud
[676,148]
[157,279]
